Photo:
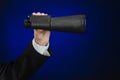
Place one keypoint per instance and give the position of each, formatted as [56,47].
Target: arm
[29,61]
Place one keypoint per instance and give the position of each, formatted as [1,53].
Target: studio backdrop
[76,56]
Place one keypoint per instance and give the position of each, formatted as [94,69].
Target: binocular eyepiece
[75,23]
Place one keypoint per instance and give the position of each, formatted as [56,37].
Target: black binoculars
[75,23]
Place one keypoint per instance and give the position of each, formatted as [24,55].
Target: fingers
[39,30]
[39,14]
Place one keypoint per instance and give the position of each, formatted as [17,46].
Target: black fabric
[24,67]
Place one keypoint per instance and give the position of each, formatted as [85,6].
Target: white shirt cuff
[41,49]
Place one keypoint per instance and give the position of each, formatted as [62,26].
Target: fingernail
[38,13]
[33,13]
[42,13]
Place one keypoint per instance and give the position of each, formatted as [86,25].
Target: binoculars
[74,23]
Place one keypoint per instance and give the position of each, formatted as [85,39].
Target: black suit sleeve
[24,66]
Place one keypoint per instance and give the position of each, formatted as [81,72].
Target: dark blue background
[92,55]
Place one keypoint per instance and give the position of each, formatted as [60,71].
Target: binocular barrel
[75,23]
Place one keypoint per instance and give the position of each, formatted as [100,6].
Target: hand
[41,36]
